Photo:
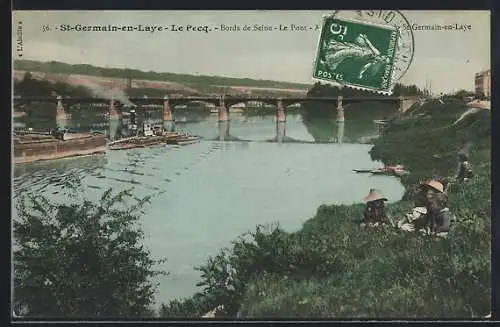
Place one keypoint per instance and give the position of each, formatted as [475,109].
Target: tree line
[84,69]
[321,89]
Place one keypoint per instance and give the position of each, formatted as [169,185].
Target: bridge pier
[280,131]
[280,111]
[168,118]
[60,112]
[113,114]
[223,112]
[401,104]
[340,109]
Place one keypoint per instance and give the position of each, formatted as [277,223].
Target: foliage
[435,139]
[320,89]
[84,69]
[81,260]
[331,268]
[460,94]
[32,87]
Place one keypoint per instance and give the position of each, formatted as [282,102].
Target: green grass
[331,268]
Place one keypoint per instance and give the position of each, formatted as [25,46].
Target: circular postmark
[405,45]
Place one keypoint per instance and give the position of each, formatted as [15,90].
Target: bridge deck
[202,98]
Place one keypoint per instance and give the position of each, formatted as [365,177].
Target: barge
[136,142]
[30,146]
[149,136]
[180,138]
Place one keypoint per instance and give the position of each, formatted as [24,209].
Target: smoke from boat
[116,94]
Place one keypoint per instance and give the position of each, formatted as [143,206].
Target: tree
[27,77]
[82,259]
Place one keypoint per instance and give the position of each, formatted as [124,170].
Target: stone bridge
[223,103]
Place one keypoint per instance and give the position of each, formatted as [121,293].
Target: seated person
[439,220]
[374,214]
[464,168]
[416,219]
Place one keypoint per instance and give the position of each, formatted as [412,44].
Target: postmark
[406,41]
[362,54]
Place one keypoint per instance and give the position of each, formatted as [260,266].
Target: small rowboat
[389,171]
[397,170]
[363,170]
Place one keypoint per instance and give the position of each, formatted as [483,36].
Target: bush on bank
[331,268]
[82,260]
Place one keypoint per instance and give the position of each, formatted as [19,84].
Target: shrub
[81,260]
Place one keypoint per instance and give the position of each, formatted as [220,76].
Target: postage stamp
[356,54]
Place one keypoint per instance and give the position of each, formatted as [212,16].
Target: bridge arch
[206,104]
[233,103]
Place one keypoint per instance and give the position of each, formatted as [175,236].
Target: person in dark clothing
[374,214]
[439,220]
[464,168]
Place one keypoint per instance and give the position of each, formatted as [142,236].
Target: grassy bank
[330,268]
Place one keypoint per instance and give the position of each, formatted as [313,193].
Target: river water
[207,194]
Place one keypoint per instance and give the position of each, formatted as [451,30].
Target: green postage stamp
[356,54]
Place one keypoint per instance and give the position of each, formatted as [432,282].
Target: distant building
[482,82]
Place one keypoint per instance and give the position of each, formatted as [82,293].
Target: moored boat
[363,170]
[35,146]
[181,138]
[396,170]
[150,136]
[136,142]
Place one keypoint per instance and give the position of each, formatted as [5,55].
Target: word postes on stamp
[356,54]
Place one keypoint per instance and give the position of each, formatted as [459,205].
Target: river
[207,194]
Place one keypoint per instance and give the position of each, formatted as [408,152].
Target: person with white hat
[374,214]
[416,217]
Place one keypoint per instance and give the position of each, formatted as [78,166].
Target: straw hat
[434,184]
[374,195]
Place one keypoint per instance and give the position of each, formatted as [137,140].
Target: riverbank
[330,268]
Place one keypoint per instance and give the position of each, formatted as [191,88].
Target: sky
[449,59]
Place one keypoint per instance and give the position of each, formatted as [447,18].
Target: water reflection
[340,131]
[280,132]
[224,131]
